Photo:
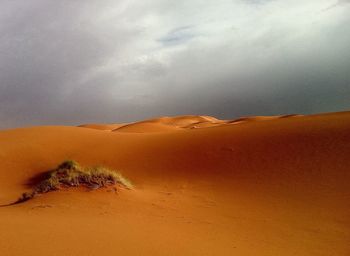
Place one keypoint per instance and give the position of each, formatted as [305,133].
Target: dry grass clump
[71,174]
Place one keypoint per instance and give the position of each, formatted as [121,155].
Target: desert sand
[202,186]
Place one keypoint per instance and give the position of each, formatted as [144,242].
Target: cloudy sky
[72,62]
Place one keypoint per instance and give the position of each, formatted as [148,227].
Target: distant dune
[202,186]
[167,124]
[104,127]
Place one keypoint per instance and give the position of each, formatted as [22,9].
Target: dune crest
[103,127]
[178,123]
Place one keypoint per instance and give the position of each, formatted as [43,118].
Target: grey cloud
[339,3]
[177,36]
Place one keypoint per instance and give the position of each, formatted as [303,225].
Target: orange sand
[203,186]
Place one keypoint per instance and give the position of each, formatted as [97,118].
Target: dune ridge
[178,123]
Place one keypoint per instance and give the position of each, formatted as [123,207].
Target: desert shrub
[70,174]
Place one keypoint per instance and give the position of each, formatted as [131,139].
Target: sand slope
[254,186]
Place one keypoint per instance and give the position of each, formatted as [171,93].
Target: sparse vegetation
[71,174]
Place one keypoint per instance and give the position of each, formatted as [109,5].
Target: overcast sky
[83,61]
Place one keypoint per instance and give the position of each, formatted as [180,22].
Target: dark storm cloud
[71,62]
[47,47]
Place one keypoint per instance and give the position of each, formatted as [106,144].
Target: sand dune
[146,127]
[169,124]
[166,124]
[203,186]
[104,127]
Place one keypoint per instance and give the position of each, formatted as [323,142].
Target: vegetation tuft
[71,174]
